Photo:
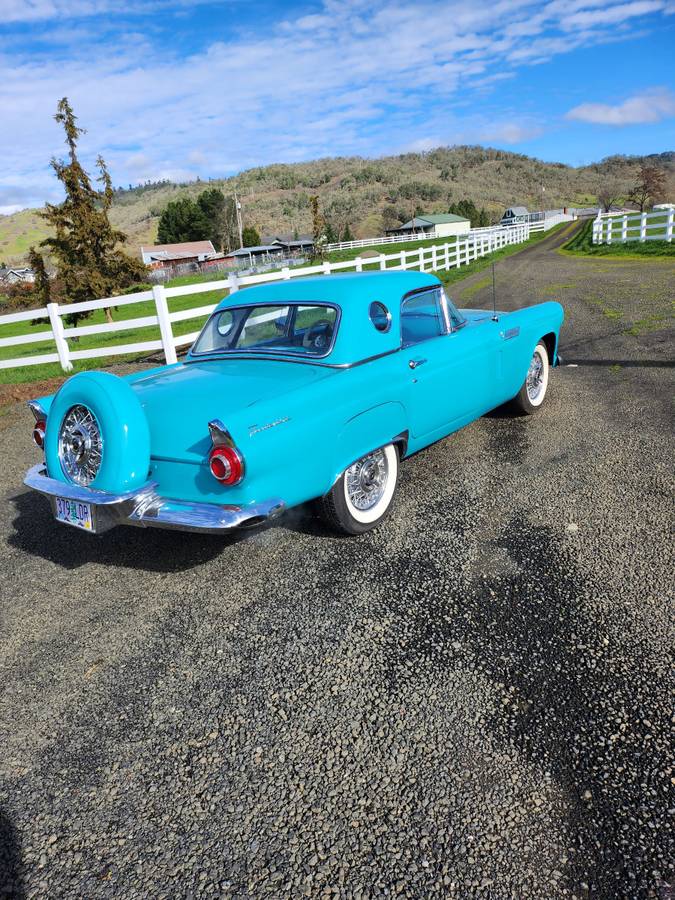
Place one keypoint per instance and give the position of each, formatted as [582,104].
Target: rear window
[302,329]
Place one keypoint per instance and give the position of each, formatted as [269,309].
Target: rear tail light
[226,464]
[39,433]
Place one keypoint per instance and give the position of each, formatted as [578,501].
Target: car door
[452,365]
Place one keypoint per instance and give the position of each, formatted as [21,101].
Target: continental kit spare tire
[97,434]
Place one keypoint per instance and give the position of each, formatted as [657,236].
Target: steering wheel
[317,336]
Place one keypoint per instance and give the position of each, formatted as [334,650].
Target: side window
[421,317]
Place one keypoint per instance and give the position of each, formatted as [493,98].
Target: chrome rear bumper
[144,507]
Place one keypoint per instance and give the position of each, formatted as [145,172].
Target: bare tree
[609,192]
[649,186]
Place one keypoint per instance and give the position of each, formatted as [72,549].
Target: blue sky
[179,89]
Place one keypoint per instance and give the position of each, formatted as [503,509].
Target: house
[217,261]
[663,206]
[14,276]
[441,225]
[258,253]
[515,215]
[168,255]
[303,243]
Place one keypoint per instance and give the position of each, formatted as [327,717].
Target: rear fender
[367,431]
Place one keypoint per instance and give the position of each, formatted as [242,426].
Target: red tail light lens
[227,465]
[39,433]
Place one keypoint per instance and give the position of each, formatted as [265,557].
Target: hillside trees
[85,248]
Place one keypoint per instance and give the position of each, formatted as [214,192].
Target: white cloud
[354,77]
[650,106]
[612,14]
[48,10]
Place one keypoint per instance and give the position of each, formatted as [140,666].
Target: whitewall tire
[363,495]
[533,392]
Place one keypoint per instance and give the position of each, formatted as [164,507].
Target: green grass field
[582,243]
[147,308]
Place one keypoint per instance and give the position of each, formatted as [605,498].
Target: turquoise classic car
[297,391]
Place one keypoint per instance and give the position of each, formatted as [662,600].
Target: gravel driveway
[473,701]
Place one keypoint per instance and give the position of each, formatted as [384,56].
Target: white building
[441,225]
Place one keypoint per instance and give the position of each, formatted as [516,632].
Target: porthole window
[380,316]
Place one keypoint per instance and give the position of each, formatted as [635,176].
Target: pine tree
[331,236]
[347,234]
[318,226]
[42,293]
[221,217]
[250,236]
[183,220]
[85,248]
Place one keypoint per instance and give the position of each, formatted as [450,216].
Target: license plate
[74,512]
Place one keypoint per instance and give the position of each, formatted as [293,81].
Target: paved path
[473,701]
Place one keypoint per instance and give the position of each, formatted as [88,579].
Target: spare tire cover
[125,437]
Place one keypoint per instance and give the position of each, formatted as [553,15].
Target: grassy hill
[367,194]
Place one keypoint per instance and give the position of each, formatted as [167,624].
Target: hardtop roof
[353,292]
[339,289]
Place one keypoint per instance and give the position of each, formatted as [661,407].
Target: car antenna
[495,317]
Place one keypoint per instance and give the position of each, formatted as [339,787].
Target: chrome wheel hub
[535,377]
[366,480]
[80,445]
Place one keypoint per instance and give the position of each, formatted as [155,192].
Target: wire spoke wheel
[535,377]
[80,445]
[366,480]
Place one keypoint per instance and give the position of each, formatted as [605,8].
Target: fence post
[165,331]
[597,230]
[326,267]
[383,261]
[669,228]
[358,264]
[285,273]
[233,282]
[447,257]
[403,259]
[643,227]
[609,230]
[56,322]
[624,229]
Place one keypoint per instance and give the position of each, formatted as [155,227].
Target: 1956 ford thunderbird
[313,389]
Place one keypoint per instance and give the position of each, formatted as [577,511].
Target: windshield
[306,330]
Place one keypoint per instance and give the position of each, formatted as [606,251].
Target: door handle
[414,363]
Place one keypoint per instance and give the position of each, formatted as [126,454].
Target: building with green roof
[437,225]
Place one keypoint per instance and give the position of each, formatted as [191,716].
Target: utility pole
[237,206]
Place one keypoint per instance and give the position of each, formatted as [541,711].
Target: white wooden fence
[376,241]
[653,226]
[550,222]
[435,258]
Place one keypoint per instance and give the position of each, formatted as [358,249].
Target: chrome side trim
[146,509]
[300,362]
